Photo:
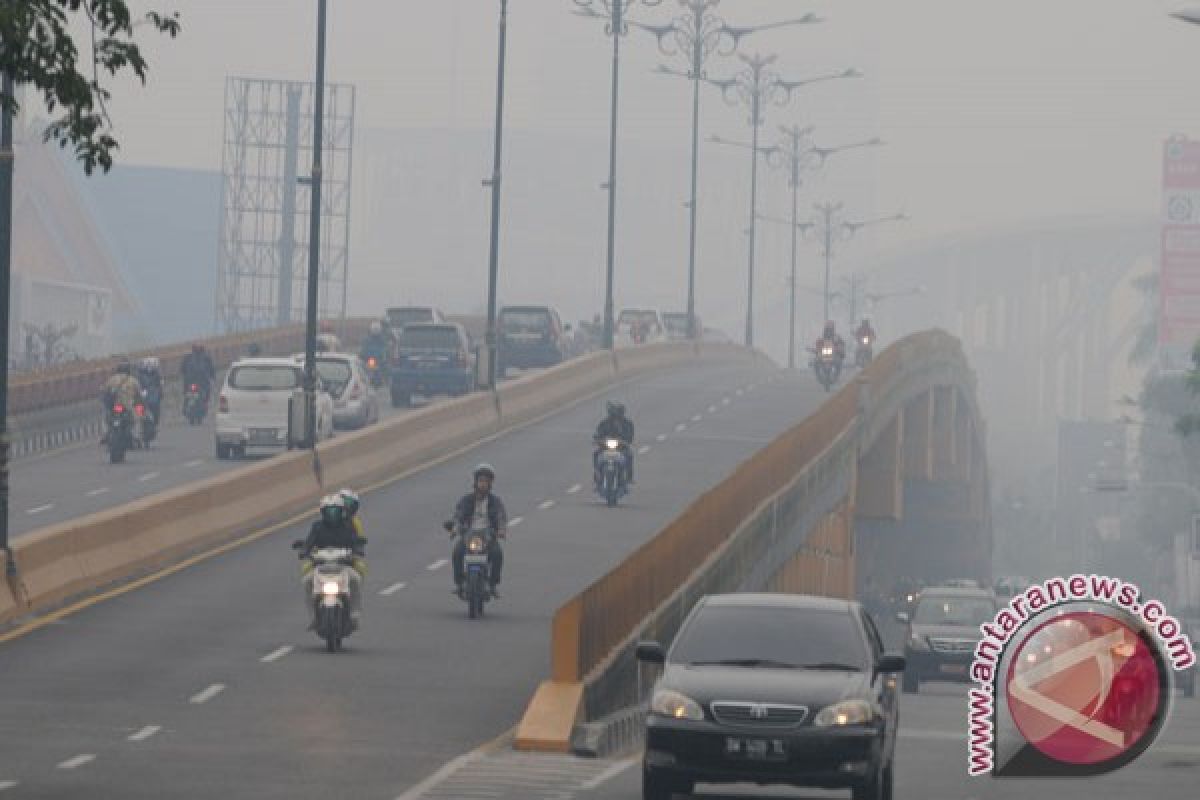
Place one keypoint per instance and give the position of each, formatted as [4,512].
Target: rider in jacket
[617,426]
[333,529]
[480,508]
[197,368]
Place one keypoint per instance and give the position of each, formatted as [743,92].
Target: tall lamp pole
[831,228]
[494,183]
[696,35]
[756,86]
[314,239]
[6,197]
[615,26]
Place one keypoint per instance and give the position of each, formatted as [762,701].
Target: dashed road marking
[8,785]
[77,761]
[40,509]
[515,521]
[696,417]
[97,492]
[712,409]
[144,734]
[275,655]
[391,590]
[740,392]
[604,777]
[680,427]
[662,437]
[208,694]
[545,504]
[194,462]
[149,476]
[435,566]
[575,488]
[725,401]
[509,775]
[644,449]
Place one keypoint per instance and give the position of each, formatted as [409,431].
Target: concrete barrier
[62,561]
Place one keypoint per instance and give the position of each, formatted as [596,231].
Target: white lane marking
[696,417]
[8,785]
[207,694]
[144,734]
[515,521]
[712,409]
[194,463]
[40,509]
[643,449]
[575,488]
[97,492]
[751,387]
[435,566]
[662,437]
[725,401]
[680,427]
[149,476]
[77,761]
[545,504]
[608,774]
[448,769]
[740,392]
[275,655]
[391,590]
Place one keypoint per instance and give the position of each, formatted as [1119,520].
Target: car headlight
[330,587]
[847,712]
[672,704]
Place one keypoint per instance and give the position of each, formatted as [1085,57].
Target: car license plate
[755,749]
[475,558]
[263,435]
[953,669]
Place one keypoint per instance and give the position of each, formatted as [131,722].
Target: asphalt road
[931,764]
[205,684]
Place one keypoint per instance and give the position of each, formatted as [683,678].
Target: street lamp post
[616,26]
[757,86]
[829,226]
[6,195]
[314,239]
[494,183]
[696,35]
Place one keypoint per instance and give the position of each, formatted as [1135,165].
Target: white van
[252,409]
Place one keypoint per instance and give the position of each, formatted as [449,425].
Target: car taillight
[223,405]
[118,409]
[372,363]
[194,388]
[140,410]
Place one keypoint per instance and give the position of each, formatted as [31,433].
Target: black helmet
[830,328]
[485,470]
[333,509]
[124,367]
[616,409]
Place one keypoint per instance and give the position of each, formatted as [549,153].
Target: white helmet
[150,364]
[375,328]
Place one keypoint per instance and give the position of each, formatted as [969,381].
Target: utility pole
[314,240]
[494,182]
[6,206]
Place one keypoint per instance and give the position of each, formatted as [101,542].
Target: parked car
[400,316]
[252,408]
[432,359]
[530,336]
[355,402]
[640,326]
[677,325]
[772,689]
[943,629]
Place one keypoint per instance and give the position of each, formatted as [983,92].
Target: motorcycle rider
[197,368]
[121,387]
[333,529]
[615,426]
[353,504]
[480,507]
[149,377]
[830,336]
[375,345]
[864,339]
[865,331]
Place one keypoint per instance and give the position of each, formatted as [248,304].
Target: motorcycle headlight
[330,587]
[611,444]
[826,351]
[475,545]
[866,340]
[668,703]
[847,712]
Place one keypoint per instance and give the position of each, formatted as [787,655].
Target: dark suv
[943,629]
[432,359]
[530,336]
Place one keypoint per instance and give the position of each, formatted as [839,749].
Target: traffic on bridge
[404,400]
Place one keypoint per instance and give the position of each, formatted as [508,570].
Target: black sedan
[772,689]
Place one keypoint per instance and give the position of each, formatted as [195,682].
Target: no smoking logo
[1087,692]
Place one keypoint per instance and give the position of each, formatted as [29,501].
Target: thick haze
[993,112]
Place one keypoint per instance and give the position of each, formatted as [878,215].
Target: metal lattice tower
[261,263]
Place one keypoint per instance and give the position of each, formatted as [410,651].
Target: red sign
[1179,284]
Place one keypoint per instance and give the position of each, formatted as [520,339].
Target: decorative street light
[494,183]
[798,156]
[616,26]
[856,295]
[694,36]
[830,227]
[757,86]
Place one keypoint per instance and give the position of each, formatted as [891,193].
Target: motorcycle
[611,481]
[145,425]
[120,432]
[195,405]
[826,366]
[332,575]
[477,568]
[375,371]
[864,352]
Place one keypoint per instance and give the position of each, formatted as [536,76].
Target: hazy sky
[992,111]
